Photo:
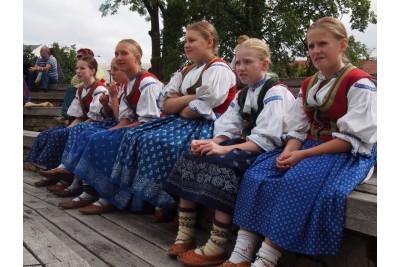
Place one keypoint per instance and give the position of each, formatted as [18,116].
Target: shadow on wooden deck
[57,237]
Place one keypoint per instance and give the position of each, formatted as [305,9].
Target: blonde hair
[261,47]
[335,27]
[135,47]
[262,50]
[242,38]
[207,30]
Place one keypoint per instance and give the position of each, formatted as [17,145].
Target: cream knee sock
[187,222]
[216,244]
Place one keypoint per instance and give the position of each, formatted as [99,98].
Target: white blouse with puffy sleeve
[146,108]
[213,91]
[94,113]
[271,124]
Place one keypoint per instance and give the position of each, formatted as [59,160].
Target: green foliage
[357,52]
[282,24]
[304,70]
[31,56]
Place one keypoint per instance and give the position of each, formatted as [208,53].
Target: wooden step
[29,138]
[59,87]
[42,111]
[39,118]
[46,96]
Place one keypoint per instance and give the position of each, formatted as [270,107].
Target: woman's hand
[104,99]
[288,160]
[208,148]
[113,90]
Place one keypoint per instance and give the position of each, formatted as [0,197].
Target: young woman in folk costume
[80,134]
[137,106]
[295,197]
[48,147]
[211,173]
[194,98]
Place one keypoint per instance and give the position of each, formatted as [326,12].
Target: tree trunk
[154,33]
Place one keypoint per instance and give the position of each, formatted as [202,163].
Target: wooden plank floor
[57,237]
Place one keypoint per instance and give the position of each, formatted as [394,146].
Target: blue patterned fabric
[99,155]
[301,209]
[78,138]
[211,180]
[47,150]
[144,160]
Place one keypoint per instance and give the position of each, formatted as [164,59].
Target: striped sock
[216,244]
[187,222]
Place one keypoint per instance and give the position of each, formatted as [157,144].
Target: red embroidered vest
[323,118]
[192,89]
[87,99]
[133,98]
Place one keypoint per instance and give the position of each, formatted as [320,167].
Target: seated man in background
[47,66]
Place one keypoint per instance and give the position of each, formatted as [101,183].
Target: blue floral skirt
[47,150]
[99,155]
[211,180]
[144,160]
[79,137]
[302,209]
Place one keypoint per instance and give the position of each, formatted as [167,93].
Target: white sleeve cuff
[358,146]
[302,137]
[227,134]
[203,108]
[261,142]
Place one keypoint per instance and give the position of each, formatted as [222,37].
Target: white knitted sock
[61,166]
[267,256]
[85,196]
[101,202]
[245,246]
[75,184]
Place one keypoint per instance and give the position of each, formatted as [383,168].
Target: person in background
[71,90]
[47,65]
[240,40]
[59,69]
[26,93]
[27,64]
[295,196]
